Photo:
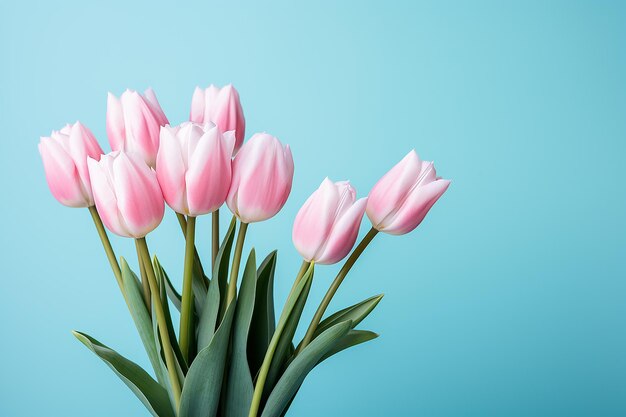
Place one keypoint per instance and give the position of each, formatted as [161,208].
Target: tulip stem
[271,349]
[186,311]
[197,263]
[108,249]
[215,236]
[170,360]
[144,279]
[334,287]
[234,272]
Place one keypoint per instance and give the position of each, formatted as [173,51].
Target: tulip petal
[315,219]
[209,174]
[415,208]
[115,126]
[197,106]
[62,175]
[343,234]
[392,188]
[138,194]
[170,170]
[104,195]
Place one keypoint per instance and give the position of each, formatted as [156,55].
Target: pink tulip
[64,154]
[327,225]
[194,167]
[133,123]
[262,176]
[220,106]
[127,194]
[403,196]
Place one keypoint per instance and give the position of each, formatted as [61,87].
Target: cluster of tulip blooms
[229,356]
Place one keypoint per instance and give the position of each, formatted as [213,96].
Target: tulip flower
[327,225]
[401,198]
[262,176]
[133,123]
[220,106]
[126,193]
[194,167]
[64,154]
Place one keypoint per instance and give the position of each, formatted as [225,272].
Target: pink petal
[415,208]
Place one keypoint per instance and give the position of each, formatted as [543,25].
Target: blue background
[510,298]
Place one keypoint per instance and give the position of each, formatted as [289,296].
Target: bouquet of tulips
[228,356]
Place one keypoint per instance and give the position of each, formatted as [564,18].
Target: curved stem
[334,287]
[215,236]
[198,264]
[106,243]
[271,349]
[170,360]
[144,278]
[186,310]
[234,272]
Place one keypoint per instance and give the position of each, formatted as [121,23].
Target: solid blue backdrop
[510,298]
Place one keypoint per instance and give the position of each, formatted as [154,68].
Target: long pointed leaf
[297,371]
[201,392]
[221,269]
[149,392]
[263,319]
[356,313]
[217,289]
[352,338]
[239,386]
[172,293]
[285,345]
[142,320]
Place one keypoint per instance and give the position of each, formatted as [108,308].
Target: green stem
[215,236]
[144,278]
[334,287]
[170,360]
[106,243]
[197,263]
[234,272]
[271,349]
[186,310]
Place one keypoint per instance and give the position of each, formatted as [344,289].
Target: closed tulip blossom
[194,167]
[401,199]
[327,225]
[262,177]
[220,106]
[133,123]
[126,193]
[64,154]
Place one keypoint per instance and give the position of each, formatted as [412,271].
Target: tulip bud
[220,106]
[194,167]
[327,225]
[127,194]
[64,154]
[403,196]
[133,123]
[262,176]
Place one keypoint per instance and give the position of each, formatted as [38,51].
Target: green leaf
[356,313]
[263,319]
[285,345]
[149,392]
[201,392]
[143,322]
[220,269]
[217,289]
[239,386]
[160,276]
[172,294]
[297,371]
[352,338]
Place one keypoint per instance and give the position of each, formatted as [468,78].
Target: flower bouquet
[228,356]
